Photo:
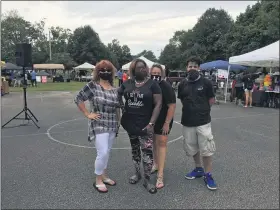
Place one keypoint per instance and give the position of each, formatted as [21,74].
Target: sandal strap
[159,180]
[135,177]
[160,176]
[100,186]
[150,186]
[108,180]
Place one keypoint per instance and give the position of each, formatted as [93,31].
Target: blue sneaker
[209,181]
[196,173]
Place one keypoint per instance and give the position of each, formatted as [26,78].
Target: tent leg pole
[226,88]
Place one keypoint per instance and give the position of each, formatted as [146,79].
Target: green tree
[257,27]
[126,56]
[206,40]
[59,39]
[171,56]
[147,54]
[86,46]
[63,58]
[209,32]
[116,50]
[15,30]
[40,48]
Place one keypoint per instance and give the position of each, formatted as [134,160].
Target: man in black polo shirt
[197,95]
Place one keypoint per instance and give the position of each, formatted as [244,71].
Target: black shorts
[158,128]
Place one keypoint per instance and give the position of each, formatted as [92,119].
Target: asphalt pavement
[53,167]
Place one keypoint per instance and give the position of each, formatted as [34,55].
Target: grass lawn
[57,86]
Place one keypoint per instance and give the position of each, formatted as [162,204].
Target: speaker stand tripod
[28,115]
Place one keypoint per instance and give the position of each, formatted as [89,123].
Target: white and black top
[139,105]
[104,102]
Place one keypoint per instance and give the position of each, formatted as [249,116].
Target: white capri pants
[199,139]
[103,144]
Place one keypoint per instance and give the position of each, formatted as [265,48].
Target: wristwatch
[151,124]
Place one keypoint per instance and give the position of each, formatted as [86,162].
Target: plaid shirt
[103,102]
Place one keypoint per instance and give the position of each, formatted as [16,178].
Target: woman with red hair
[103,118]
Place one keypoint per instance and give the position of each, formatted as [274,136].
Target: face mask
[193,75]
[140,75]
[105,75]
[156,78]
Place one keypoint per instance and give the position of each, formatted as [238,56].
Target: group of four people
[147,116]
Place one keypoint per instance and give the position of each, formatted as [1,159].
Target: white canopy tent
[264,57]
[149,63]
[85,66]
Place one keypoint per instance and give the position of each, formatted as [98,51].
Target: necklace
[139,83]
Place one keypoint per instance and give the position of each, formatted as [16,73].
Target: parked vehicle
[175,77]
[58,78]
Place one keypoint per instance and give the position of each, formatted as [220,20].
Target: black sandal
[150,187]
[135,179]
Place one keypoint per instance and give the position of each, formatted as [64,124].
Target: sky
[139,24]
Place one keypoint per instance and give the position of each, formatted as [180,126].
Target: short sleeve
[155,88]
[180,90]
[209,89]
[85,94]
[121,89]
[169,95]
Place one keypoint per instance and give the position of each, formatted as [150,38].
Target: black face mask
[140,75]
[156,78]
[193,75]
[105,75]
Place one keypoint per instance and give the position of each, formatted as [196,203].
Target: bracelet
[151,124]
[166,122]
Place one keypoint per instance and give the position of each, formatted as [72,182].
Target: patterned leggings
[144,143]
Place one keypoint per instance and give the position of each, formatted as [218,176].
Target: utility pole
[50,45]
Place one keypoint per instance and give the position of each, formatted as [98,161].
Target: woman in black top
[164,122]
[142,106]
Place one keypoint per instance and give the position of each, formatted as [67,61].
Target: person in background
[18,79]
[249,81]
[11,78]
[239,91]
[143,101]
[104,118]
[164,122]
[33,78]
[124,76]
[197,95]
[120,77]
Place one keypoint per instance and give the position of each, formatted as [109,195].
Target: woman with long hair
[164,122]
[142,106]
[104,118]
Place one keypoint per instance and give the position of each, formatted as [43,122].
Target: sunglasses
[104,70]
[139,68]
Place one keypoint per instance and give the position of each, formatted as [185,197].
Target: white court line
[55,125]
[124,148]
[254,133]
[87,147]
